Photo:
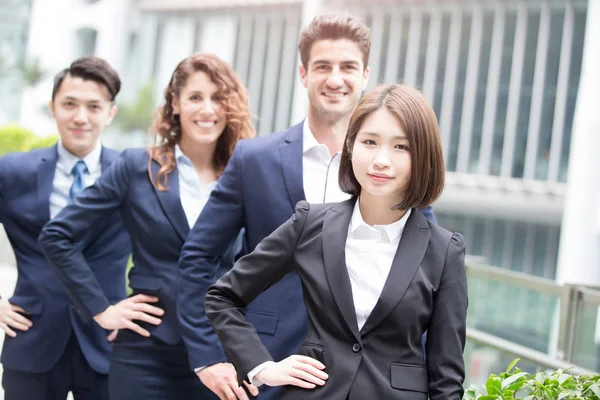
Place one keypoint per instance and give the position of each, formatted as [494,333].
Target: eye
[95,107]
[195,97]
[349,67]
[218,98]
[401,147]
[69,104]
[369,142]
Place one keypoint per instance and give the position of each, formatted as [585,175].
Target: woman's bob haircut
[419,122]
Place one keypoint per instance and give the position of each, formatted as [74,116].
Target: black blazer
[426,290]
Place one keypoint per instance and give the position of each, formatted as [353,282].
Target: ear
[51,108]
[366,75]
[175,104]
[111,114]
[303,75]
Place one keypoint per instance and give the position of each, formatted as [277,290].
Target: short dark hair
[90,68]
[420,125]
[334,27]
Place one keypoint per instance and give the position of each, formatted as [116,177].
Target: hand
[10,318]
[296,370]
[221,379]
[122,314]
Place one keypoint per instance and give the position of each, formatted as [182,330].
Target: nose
[382,159]
[334,80]
[208,107]
[81,116]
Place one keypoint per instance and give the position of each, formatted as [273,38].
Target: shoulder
[25,161]
[258,145]
[443,238]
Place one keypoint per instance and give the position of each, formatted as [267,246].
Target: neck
[330,133]
[378,210]
[201,156]
[81,152]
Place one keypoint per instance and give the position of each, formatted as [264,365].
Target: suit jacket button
[356,347]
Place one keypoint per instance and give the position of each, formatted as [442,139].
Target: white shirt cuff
[196,370]
[251,375]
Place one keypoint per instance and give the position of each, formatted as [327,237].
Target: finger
[309,360]
[16,324]
[16,308]
[311,370]
[227,392]
[300,383]
[21,319]
[113,335]
[148,309]
[305,376]
[220,394]
[239,392]
[140,316]
[7,330]
[253,389]
[143,298]
[136,328]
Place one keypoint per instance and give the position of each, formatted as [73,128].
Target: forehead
[382,122]
[83,90]
[199,81]
[335,51]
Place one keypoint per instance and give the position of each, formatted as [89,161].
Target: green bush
[548,385]
[13,137]
[16,138]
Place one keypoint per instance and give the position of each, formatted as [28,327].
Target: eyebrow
[345,62]
[374,134]
[71,98]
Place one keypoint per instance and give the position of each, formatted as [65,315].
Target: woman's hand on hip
[296,370]
[122,314]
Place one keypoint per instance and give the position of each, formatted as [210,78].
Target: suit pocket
[263,322]
[32,305]
[313,350]
[145,284]
[409,377]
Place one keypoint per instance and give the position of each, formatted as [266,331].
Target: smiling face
[381,158]
[335,78]
[201,111]
[82,109]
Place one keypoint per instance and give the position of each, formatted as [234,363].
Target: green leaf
[512,364]
[509,381]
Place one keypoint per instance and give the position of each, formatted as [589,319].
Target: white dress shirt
[320,170]
[191,193]
[63,178]
[369,253]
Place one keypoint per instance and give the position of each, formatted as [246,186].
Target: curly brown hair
[166,127]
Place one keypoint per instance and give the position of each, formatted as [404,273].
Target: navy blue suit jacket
[257,191]
[156,223]
[25,186]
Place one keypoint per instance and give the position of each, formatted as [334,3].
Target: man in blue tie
[49,349]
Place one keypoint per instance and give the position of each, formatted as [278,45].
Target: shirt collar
[390,232]
[180,157]
[92,160]
[308,139]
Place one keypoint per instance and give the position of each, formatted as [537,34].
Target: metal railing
[567,317]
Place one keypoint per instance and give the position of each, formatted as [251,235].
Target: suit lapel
[290,154]
[106,158]
[407,260]
[171,203]
[45,179]
[335,231]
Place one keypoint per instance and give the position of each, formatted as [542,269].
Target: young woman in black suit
[376,274]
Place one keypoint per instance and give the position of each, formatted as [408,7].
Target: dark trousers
[72,373]
[148,368]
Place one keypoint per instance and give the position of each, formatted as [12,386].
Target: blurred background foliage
[14,137]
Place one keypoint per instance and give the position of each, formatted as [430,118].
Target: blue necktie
[78,170]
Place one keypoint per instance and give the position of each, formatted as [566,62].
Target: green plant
[548,385]
[137,115]
[13,137]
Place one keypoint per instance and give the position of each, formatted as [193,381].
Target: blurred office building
[514,84]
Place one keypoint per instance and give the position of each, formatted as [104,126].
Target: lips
[380,177]
[205,124]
